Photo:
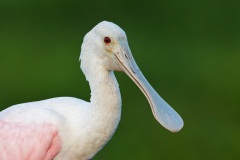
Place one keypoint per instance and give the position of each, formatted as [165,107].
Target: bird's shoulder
[54,111]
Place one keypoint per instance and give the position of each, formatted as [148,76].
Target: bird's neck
[105,99]
[105,93]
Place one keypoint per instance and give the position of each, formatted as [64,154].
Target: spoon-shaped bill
[162,111]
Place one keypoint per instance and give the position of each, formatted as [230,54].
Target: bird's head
[107,42]
[106,45]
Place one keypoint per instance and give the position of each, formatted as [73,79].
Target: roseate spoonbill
[68,128]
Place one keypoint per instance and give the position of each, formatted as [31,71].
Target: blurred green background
[188,50]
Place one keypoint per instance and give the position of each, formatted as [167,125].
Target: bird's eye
[107,40]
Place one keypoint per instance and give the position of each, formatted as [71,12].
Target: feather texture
[28,142]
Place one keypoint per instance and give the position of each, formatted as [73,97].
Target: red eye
[107,40]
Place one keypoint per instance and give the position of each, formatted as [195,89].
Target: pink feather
[28,142]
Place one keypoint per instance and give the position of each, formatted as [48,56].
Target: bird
[68,128]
